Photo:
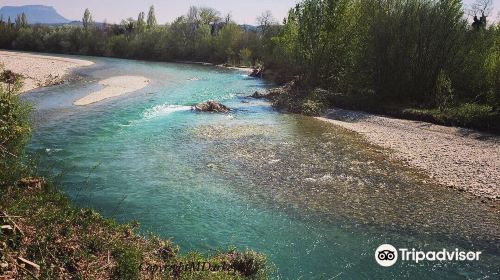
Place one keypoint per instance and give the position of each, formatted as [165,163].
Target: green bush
[128,261]
[472,115]
[312,107]
[250,263]
[443,91]
[469,113]
[286,101]
[14,131]
[245,57]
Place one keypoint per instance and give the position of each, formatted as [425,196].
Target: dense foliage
[420,54]
[14,127]
[389,55]
[199,35]
[421,51]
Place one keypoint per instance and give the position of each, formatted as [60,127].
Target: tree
[285,53]
[228,18]
[177,43]
[482,7]
[227,39]
[151,21]
[141,24]
[265,20]
[246,57]
[193,15]
[21,21]
[15,129]
[209,16]
[87,20]
[24,20]
[128,25]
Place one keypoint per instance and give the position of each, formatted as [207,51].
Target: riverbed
[315,198]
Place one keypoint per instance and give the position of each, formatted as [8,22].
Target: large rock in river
[257,72]
[211,106]
[258,95]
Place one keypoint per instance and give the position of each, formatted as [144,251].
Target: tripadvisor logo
[387,255]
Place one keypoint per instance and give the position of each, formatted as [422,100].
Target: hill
[35,14]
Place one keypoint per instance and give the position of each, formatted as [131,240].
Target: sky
[113,11]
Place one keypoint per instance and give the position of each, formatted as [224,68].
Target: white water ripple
[164,109]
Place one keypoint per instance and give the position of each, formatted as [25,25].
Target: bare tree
[266,20]
[228,18]
[482,7]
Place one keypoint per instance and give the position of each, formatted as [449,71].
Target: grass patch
[128,260]
[68,242]
[471,115]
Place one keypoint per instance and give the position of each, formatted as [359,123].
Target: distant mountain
[247,27]
[34,13]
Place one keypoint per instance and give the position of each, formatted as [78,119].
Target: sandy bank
[460,158]
[247,70]
[114,86]
[39,70]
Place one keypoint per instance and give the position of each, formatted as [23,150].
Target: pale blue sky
[243,11]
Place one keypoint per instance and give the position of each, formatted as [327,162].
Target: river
[316,199]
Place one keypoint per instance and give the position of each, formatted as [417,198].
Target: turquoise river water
[316,199]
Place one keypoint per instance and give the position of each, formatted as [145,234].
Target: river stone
[258,95]
[221,132]
[257,72]
[211,106]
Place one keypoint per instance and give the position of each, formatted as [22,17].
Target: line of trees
[202,34]
[422,52]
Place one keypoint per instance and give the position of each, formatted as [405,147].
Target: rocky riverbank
[460,158]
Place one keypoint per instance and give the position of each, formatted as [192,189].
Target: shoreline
[245,69]
[459,158]
[455,157]
[40,70]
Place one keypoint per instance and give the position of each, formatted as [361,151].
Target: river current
[315,198]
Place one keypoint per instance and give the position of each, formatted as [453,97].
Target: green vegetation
[412,58]
[14,128]
[201,35]
[79,243]
[43,227]
[419,59]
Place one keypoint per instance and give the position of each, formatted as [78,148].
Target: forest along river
[315,198]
